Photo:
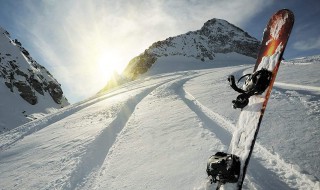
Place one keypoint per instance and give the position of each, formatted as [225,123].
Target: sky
[83,42]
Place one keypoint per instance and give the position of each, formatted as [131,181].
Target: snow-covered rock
[27,89]
[215,37]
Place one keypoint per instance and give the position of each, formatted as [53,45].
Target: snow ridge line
[295,179]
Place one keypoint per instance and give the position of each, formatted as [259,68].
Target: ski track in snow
[97,151]
[83,178]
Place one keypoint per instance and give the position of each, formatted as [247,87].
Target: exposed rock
[55,92]
[141,64]
[19,72]
[37,86]
[9,85]
[26,92]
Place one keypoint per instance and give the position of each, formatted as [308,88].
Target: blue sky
[82,41]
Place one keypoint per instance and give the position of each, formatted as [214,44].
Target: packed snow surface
[157,133]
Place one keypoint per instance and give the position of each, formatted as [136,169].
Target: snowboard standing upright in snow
[229,170]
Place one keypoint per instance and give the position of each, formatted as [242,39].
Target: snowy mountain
[158,131]
[27,89]
[216,37]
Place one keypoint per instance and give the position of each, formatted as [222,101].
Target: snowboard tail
[274,41]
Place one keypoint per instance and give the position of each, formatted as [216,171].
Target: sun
[109,63]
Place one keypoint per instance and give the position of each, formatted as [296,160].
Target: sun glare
[109,64]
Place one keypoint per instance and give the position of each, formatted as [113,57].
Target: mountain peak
[26,87]
[217,36]
[215,22]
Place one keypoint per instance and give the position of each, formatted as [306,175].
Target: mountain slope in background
[26,87]
[158,131]
[216,37]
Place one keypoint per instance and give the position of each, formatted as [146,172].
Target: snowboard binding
[223,168]
[255,83]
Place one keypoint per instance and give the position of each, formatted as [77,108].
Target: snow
[277,26]
[157,133]
[269,62]
[182,63]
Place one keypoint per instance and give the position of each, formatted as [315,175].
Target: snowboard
[274,41]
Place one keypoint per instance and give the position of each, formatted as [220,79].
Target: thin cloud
[309,44]
[71,36]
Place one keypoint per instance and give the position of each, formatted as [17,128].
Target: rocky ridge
[21,75]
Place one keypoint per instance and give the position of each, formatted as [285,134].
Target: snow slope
[157,133]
